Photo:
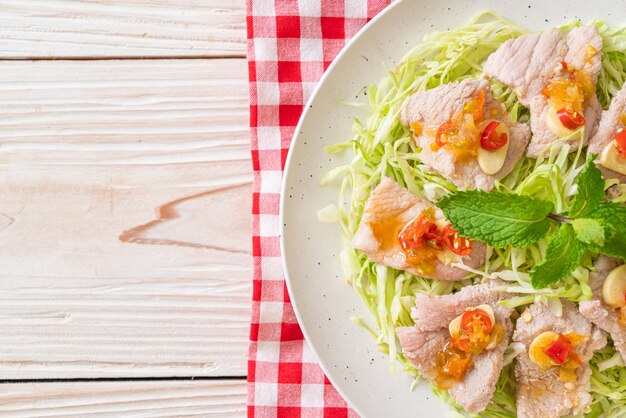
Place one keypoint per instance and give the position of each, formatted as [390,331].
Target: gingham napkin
[290,44]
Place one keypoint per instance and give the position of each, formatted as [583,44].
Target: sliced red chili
[476,318]
[445,129]
[620,142]
[412,235]
[459,245]
[574,357]
[433,237]
[558,350]
[491,139]
[570,119]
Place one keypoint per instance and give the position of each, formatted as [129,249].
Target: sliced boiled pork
[387,212]
[537,67]
[429,111]
[604,142]
[424,343]
[545,393]
[598,312]
[527,63]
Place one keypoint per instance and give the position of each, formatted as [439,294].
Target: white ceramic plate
[322,301]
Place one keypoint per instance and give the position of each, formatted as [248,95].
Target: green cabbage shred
[381,146]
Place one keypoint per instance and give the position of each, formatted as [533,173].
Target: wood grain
[221,398]
[121,28]
[124,219]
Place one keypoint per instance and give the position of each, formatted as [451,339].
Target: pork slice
[604,316]
[391,206]
[421,344]
[540,393]
[578,41]
[543,136]
[526,63]
[434,312]
[421,348]
[609,125]
[436,106]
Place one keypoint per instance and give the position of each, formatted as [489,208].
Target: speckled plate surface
[322,301]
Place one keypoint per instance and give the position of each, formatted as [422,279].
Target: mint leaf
[590,189]
[497,218]
[589,231]
[563,255]
[613,214]
[615,246]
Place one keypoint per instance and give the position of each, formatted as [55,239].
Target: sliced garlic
[535,351]
[447,257]
[442,223]
[490,162]
[556,127]
[612,159]
[455,326]
[494,340]
[614,287]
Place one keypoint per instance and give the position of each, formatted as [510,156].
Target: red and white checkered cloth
[290,44]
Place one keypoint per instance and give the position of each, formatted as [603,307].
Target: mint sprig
[499,219]
[505,219]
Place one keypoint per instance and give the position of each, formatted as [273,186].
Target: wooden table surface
[124,208]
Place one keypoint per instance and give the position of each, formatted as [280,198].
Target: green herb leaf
[613,214]
[615,246]
[563,255]
[590,189]
[497,218]
[589,231]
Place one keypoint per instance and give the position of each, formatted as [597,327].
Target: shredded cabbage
[382,147]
